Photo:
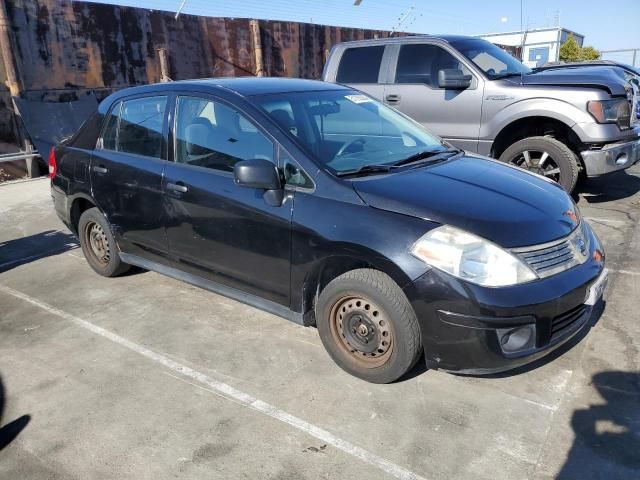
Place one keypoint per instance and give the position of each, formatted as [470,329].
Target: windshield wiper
[364,170]
[431,155]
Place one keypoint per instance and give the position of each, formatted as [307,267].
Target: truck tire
[545,156]
[368,326]
[98,245]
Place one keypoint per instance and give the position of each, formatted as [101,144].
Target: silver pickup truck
[560,123]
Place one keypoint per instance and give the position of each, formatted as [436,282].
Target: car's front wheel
[368,326]
[98,245]
[545,156]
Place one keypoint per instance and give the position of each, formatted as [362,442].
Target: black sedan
[317,203]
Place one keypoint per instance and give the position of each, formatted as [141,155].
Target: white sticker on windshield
[358,98]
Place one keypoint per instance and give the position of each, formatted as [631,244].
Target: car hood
[594,76]
[506,205]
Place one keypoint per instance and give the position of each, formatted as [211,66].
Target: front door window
[212,135]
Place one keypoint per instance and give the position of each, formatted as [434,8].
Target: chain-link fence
[630,56]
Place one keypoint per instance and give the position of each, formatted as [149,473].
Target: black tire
[559,157]
[368,300]
[98,245]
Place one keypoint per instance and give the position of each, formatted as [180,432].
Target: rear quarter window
[360,65]
[87,135]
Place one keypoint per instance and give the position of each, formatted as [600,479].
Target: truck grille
[555,257]
[563,323]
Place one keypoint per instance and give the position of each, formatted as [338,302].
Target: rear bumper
[612,157]
[61,205]
[463,325]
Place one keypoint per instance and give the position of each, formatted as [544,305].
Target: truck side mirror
[453,79]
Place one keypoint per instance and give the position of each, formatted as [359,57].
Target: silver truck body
[482,117]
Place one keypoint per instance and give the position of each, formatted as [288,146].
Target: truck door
[412,88]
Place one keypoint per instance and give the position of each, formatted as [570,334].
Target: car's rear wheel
[545,156]
[368,326]
[98,245]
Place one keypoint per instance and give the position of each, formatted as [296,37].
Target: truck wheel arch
[532,126]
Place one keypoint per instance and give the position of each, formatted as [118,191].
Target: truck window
[420,63]
[360,65]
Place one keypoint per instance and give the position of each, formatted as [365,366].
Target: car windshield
[346,130]
[491,59]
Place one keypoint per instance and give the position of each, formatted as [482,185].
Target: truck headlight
[470,258]
[611,111]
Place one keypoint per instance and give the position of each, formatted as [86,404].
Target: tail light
[53,166]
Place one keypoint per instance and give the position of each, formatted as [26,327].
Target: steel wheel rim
[98,242]
[361,330]
[539,162]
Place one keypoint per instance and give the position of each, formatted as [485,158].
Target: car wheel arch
[331,267]
[79,205]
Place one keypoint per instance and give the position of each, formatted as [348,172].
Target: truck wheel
[545,156]
[368,327]
[98,245]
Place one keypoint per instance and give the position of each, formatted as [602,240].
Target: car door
[126,173]
[216,229]
[412,88]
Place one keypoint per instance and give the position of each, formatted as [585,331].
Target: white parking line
[607,220]
[626,272]
[228,391]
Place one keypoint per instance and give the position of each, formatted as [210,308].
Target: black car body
[277,248]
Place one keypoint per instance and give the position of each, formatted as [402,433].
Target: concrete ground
[146,377]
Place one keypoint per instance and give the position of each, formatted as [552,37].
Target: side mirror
[256,173]
[454,79]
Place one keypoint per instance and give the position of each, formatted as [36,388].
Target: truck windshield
[345,130]
[491,59]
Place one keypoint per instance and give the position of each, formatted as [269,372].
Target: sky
[603,28]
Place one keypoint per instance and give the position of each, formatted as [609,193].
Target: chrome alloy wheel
[538,162]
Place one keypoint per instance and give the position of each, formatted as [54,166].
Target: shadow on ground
[19,251]
[607,439]
[11,430]
[614,186]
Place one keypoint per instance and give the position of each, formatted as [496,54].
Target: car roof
[411,38]
[243,86]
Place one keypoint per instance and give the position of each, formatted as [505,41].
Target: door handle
[177,187]
[392,98]
[99,169]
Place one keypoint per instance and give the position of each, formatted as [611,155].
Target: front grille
[563,323]
[555,257]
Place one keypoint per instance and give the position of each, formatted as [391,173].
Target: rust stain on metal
[65,44]
[69,46]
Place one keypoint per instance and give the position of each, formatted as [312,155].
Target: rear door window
[360,65]
[141,126]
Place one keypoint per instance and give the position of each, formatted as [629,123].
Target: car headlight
[471,258]
[611,111]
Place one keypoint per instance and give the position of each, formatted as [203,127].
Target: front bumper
[461,322]
[612,157]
